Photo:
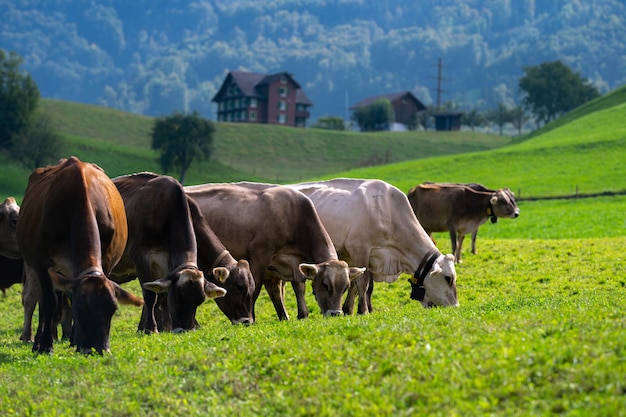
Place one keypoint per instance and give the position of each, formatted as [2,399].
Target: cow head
[94,301]
[434,283]
[9,212]
[186,289]
[330,281]
[503,204]
[238,282]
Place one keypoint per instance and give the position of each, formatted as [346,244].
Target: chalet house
[405,107]
[246,97]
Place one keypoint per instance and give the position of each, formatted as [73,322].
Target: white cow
[371,223]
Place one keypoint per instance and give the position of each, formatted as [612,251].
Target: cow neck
[92,270]
[186,265]
[219,259]
[490,212]
[419,292]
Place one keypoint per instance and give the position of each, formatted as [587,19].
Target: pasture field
[540,331]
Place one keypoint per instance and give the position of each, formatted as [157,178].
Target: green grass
[540,331]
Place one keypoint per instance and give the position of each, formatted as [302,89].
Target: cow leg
[299,288]
[459,247]
[47,308]
[147,323]
[274,287]
[370,290]
[362,284]
[348,304]
[453,241]
[474,234]
[31,293]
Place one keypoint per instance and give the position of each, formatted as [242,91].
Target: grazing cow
[161,251]
[371,223]
[173,250]
[11,271]
[280,234]
[71,232]
[460,209]
[9,212]
[237,304]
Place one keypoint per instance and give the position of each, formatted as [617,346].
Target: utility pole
[439,79]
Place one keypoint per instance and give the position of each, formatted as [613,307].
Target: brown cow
[460,209]
[279,232]
[72,231]
[175,251]
[161,251]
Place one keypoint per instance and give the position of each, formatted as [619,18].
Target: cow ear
[308,270]
[158,286]
[125,297]
[213,291]
[221,274]
[60,281]
[356,272]
[493,200]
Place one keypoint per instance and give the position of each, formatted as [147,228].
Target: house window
[282,105]
[244,102]
[282,118]
[282,91]
[237,103]
[283,79]
[243,115]
[253,102]
[253,115]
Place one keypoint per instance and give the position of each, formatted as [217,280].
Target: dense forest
[156,57]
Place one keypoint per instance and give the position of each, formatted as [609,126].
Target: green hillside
[587,154]
[120,143]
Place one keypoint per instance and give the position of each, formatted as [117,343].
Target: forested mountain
[154,57]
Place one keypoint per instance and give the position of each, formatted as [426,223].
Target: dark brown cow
[174,251]
[279,232]
[72,231]
[460,209]
[161,251]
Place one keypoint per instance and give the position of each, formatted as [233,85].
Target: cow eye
[449,279]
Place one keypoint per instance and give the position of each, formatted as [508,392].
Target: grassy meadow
[540,330]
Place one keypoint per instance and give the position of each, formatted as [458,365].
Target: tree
[37,144]
[182,138]
[474,118]
[19,95]
[519,117]
[500,116]
[374,117]
[330,123]
[553,89]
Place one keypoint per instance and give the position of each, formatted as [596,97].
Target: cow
[162,251]
[11,271]
[279,232]
[71,232]
[9,213]
[460,209]
[371,223]
[173,250]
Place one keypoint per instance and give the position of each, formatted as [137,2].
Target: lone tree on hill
[374,117]
[19,96]
[553,89]
[37,144]
[182,138]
